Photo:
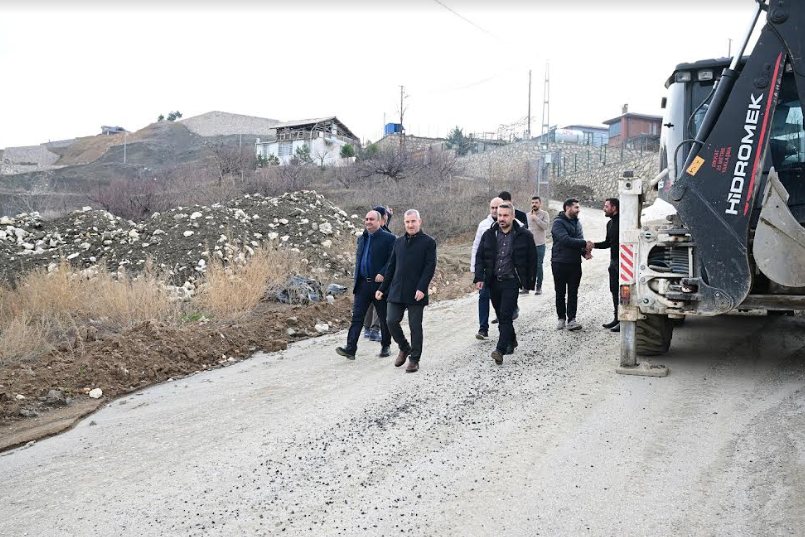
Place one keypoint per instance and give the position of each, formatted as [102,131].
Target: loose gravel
[552,442]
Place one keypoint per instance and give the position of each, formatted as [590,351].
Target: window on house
[286,149]
[615,129]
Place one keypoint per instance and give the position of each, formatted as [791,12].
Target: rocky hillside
[183,241]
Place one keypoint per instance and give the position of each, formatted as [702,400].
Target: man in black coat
[519,215]
[371,261]
[371,324]
[569,247]
[612,241]
[410,270]
[506,262]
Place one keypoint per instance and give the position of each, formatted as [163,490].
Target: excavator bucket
[779,247]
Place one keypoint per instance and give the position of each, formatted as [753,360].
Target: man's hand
[378,295]
[590,246]
[388,209]
[479,285]
[588,256]
[419,295]
[379,278]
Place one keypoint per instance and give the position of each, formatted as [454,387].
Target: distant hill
[152,152]
[226,124]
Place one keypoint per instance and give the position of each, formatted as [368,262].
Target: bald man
[371,262]
[483,294]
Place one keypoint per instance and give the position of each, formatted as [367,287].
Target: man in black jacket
[612,241]
[569,247]
[371,261]
[410,270]
[519,215]
[506,262]
[371,324]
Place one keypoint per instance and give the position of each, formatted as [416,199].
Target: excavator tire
[653,335]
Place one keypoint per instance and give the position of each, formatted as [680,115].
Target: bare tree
[228,161]
[442,165]
[132,198]
[392,162]
[322,152]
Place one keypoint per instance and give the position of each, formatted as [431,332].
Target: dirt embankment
[43,396]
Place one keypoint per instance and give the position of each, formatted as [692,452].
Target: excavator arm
[715,192]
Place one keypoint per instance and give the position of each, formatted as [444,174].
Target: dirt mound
[224,124]
[584,193]
[87,149]
[184,240]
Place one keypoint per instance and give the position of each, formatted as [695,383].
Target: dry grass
[46,308]
[232,291]
[24,337]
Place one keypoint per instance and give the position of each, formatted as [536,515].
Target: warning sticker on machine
[695,165]
[721,159]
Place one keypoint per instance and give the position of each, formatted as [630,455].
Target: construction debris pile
[184,240]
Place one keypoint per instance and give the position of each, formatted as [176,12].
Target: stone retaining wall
[573,170]
[602,182]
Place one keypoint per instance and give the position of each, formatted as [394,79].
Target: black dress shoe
[497,356]
[345,353]
[494,321]
[482,334]
[385,351]
[616,328]
[611,324]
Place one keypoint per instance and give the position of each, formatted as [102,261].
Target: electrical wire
[465,19]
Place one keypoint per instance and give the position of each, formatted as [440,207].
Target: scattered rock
[55,397]
[96,393]
[322,328]
[310,224]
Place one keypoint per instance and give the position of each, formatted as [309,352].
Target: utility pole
[528,133]
[546,102]
[240,148]
[125,140]
[729,47]
[402,115]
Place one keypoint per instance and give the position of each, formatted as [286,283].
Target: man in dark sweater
[611,210]
[371,261]
[505,263]
[410,270]
[569,247]
[519,215]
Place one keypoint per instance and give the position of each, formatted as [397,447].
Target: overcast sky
[68,68]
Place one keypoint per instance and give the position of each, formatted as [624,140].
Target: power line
[465,19]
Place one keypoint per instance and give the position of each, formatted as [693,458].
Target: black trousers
[613,286]
[566,280]
[365,297]
[395,314]
[504,299]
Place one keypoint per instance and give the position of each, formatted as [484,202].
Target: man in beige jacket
[538,222]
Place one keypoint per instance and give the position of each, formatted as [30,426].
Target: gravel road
[552,442]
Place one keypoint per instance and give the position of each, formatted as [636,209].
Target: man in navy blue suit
[371,261]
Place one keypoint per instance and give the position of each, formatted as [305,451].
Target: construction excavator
[726,232]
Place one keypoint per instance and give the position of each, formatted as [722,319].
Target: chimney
[625,108]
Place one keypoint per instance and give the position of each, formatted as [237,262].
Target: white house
[325,136]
